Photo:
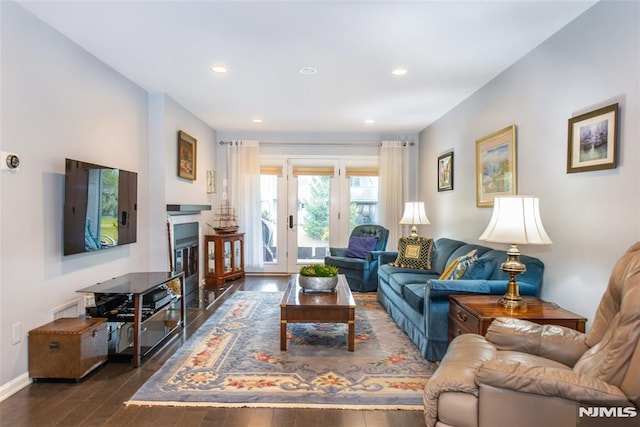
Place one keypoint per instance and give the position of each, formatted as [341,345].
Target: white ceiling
[450,49]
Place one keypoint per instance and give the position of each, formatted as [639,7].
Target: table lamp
[414,214]
[515,220]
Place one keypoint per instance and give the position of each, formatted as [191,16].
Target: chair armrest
[373,255]
[457,371]
[338,251]
[559,343]
[547,381]
[386,257]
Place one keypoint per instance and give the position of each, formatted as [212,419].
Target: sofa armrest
[562,344]
[386,257]
[338,251]
[548,381]
[443,288]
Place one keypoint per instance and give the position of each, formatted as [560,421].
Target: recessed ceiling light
[399,72]
[308,71]
[257,120]
[219,69]
[369,122]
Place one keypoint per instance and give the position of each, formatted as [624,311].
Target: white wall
[166,118]
[59,101]
[592,217]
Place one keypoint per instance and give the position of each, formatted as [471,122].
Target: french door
[313,210]
[309,205]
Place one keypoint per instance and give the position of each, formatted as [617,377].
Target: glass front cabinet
[225,257]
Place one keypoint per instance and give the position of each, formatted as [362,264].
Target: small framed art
[495,166]
[187,152]
[445,172]
[593,140]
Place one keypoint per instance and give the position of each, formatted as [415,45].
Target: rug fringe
[276,405]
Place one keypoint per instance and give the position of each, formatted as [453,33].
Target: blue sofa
[419,302]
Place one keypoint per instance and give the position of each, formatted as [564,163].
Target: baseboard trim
[14,386]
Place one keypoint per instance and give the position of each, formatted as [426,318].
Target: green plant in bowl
[319,270]
[318,278]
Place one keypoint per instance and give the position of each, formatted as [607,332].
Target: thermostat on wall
[9,161]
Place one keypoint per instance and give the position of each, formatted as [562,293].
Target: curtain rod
[288,143]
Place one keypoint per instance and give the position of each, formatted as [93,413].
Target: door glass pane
[226,249]
[363,196]
[237,258]
[313,217]
[211,257]
[269,214]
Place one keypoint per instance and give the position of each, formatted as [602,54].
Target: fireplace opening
[186,247]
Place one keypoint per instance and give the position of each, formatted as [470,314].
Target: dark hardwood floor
[98,400]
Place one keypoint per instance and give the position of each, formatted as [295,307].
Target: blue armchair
[359,261]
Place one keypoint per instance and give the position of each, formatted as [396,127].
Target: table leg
[352,335]
[283,335]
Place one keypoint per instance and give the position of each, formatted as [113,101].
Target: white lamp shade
[414,214]
[516,220]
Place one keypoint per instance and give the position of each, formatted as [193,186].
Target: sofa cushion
[459,266]
[481,269]
[360,246]
[414,252]
[398,281]
[414,295]
[443,248]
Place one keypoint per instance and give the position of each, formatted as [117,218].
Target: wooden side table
[474,314]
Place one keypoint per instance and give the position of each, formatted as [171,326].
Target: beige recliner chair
[524,374]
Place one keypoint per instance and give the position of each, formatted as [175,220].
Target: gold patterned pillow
[414,252]
[459,266]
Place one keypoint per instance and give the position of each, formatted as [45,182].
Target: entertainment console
[141,309]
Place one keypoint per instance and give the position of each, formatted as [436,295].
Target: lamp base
[511,303]
[512,266]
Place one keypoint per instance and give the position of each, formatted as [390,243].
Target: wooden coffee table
[298,306]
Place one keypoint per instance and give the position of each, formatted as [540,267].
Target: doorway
[311,204]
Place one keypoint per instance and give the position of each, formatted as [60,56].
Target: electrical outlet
[89,300]
[17,333]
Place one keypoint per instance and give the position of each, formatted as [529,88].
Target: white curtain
[244,186]
[393,188]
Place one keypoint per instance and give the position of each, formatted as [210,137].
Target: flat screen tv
[100,207]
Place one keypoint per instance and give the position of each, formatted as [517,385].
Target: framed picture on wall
[593,140]
[495,166]
[445,172]
[187,160]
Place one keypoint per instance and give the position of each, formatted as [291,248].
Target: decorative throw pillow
[459,266]
[359,246]
[414,252]
[481,269]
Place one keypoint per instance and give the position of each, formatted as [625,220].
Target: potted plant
[318,277]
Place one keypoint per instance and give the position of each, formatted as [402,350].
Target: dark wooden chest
[67,348]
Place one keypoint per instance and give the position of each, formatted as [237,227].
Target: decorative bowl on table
[318,278]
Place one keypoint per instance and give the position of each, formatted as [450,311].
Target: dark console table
[142,309]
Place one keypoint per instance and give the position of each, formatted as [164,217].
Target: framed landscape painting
[187,156]
[445,172]
[495,166]
[593,140]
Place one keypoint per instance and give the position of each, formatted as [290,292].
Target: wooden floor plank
[99,399]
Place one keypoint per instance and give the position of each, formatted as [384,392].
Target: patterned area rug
[234,360]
